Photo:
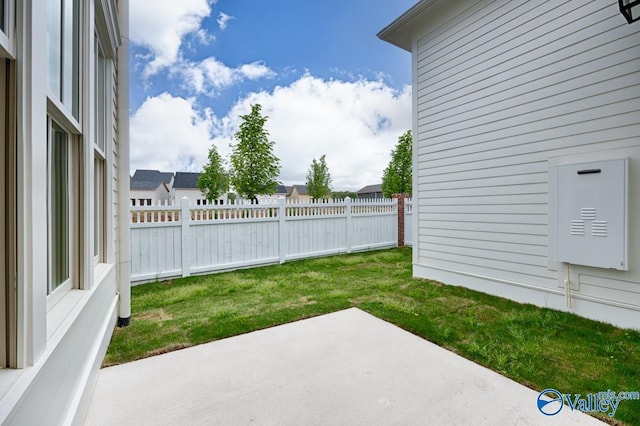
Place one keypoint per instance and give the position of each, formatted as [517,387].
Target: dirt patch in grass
[155,314]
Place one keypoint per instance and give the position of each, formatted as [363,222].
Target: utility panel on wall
[592,214]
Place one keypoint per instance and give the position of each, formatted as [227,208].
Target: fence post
[347,210]
[281,229]
[400,200]
[185,220]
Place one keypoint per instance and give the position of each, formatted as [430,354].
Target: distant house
[149,187]
[299,193]
[282,191]
[527,151]
[371,191]
[186,185]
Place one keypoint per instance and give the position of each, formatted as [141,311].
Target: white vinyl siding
[502,87]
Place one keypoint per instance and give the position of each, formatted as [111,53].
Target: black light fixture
[630,9]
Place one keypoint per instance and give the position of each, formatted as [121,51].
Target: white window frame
[54,294]
[66,105]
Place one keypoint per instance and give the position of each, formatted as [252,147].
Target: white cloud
[210,75]
[356,124]
[161,26]
[223,20]
[169,134]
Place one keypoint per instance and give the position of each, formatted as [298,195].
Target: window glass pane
[71,55]
[98,206]
[100,98]
[60,198]
[76,60]
[54,44]
[63,51]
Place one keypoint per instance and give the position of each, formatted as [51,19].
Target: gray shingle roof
[186,180]
[149,179]
[371,189]
[144,185]
[302,189]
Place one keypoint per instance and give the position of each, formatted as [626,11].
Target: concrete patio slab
[344,368]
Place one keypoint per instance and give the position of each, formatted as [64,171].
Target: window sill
[100,271]
[64,311]
[8,378]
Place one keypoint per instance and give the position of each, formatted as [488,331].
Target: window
[100,137]
[63,45]
[65,145]
[60,209]
[8,215]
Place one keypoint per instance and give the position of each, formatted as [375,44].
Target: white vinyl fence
[178,241]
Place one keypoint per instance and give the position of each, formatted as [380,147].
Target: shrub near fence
[181,240]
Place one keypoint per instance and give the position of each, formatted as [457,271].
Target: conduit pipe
[567,285]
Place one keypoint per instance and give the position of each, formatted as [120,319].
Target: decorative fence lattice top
[242,210]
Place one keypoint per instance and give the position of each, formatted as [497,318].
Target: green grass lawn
[540,348]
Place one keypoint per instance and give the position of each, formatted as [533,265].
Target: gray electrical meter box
[592,222]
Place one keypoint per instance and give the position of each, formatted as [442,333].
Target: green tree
[254,167]
[213,180]
[396,178]
[341,195]
[319,179]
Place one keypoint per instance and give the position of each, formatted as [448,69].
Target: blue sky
[327,83]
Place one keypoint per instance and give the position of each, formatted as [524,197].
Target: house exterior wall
[295,195]
[503,91]
[159,195]
[194,196]
[61,336]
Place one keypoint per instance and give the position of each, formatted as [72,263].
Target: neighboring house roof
[370,189]
[186,180]
[149,179]
[300,189]
[282,190]
[144,185]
